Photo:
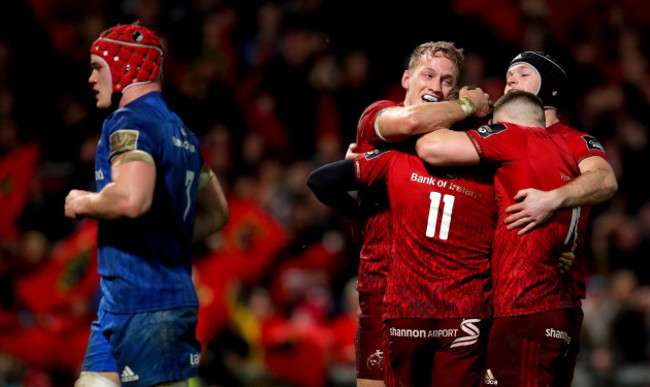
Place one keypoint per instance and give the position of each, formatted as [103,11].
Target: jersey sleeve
[129,140]
[366,134]
[583,145]
[495,142]
[372,167]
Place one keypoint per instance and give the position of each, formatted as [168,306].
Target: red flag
[16,172]
[252,240]
[59,296]
[68,279]
[255,235]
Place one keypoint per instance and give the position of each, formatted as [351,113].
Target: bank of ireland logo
[376,360]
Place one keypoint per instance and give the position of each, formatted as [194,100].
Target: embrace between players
[464,276]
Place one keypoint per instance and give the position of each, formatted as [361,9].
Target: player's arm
[397,123]
[129,195]
[447,147]
[332,183]
[212,211]
[595,184]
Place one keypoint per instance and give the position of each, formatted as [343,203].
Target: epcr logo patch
[593,143]
[486,131]
[372,154]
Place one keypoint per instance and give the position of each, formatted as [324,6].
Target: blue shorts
[145,348]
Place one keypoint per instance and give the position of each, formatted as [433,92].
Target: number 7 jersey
[443,224]
[526,279]
[145,263]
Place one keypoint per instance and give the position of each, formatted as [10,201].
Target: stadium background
[274,89]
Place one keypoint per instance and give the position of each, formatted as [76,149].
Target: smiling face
[433,76]
[100,82]
[522,76]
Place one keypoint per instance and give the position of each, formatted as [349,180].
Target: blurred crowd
[274,89]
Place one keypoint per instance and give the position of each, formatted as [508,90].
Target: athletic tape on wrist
[467,105]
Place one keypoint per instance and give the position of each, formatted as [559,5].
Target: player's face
[100,81]
[522,77]
[433,78]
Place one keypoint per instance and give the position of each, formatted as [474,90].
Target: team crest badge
[376,360]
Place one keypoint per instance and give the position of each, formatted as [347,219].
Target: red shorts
[368,340]
[446,353]
[534,350]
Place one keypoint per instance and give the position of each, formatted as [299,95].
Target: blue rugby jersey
[145,263]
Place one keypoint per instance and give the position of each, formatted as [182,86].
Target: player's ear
[405,79]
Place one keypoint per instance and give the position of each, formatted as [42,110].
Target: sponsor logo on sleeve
[486,131]
[123,140]
[593,143]
[375,153]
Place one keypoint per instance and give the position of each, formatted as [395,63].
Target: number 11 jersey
[443,224]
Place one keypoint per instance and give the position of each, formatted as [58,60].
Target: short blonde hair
[448,49]
[521,105]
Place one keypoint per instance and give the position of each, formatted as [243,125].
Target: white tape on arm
[376,125]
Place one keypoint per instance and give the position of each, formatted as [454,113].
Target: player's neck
[551,117]
[136,91]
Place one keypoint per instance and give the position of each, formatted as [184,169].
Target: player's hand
[480,98]
[533,208]
[73,203]
[567,259]
[351,153]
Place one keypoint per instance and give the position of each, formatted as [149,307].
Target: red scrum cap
[133,54]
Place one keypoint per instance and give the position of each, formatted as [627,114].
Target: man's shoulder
[486,131]
[577,138]
[122,118]
[366,134]
[383,103]
[563,129]
[148,107]
[141,113]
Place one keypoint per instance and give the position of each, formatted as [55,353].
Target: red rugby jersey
[443,225]
[581,145]
[525,272]
[377,239]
